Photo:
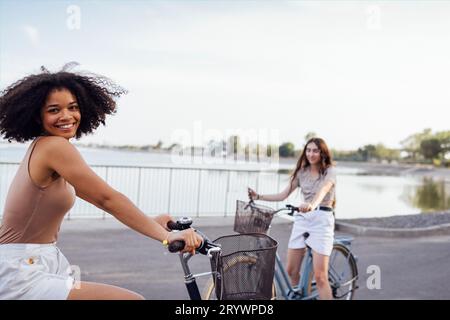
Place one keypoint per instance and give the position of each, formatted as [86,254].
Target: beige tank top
[34,214]
[311,185]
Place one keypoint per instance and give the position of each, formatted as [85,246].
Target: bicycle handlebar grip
[176,246]
[293,209]
[181,224]
[179,245]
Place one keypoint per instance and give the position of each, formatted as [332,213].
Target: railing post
[139,188]
[199,190]
[170,190]
[257,181]
[106,180]
[278,188]
[226,193]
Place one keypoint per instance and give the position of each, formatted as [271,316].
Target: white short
[34,272]
[320,226]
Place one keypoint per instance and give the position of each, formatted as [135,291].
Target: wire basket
[251,217]
[244,269]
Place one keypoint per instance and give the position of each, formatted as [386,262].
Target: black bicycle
[242,265]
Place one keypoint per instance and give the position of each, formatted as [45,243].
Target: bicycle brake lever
[213,249]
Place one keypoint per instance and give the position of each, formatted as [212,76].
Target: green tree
[412,143]
[367,152]
[444,139]
[430,148]
[287,149]
[382,152]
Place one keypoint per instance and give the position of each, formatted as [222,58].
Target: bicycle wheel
[209,292]
[342,274]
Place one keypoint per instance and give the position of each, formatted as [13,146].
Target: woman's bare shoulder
[53,150]
[54,144]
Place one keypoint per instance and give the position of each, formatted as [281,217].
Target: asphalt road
[410,268]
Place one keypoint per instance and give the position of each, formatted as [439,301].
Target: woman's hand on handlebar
[252,195]
[191,239]
[305,207]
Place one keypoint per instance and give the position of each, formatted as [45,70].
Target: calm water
[358,195]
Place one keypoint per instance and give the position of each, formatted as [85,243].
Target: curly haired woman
[50,109]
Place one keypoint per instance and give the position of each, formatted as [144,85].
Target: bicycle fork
[283,281]
[189,278]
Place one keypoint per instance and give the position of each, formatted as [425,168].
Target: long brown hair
[325,157]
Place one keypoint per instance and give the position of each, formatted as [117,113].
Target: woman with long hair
[314,174]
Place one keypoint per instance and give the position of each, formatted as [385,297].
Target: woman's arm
[275,197]
[65,159]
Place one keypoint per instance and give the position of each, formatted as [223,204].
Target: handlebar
[288,207]
[292,209]
[186,222]
[178,245]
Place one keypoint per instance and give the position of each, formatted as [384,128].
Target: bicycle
[242,265]
[342,274]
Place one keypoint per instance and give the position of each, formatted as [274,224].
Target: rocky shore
[374,168]
[422,220]
[385,169]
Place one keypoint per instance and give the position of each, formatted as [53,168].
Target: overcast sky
[353,72]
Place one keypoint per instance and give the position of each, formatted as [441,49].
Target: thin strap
[28,164]
[33,145]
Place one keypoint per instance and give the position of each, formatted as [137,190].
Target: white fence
[174,190]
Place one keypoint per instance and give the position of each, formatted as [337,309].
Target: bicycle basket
[251,218]
[245,267]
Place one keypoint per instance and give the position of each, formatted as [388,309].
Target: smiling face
[313,153]
[60,114]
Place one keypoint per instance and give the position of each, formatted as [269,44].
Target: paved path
[411,268]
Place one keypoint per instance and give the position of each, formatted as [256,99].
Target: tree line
[421,147]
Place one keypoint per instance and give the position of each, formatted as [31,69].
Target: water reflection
[431,195]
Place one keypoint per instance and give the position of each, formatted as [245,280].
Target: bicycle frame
[282,279]
[189,278]
[284,285]
[299,292]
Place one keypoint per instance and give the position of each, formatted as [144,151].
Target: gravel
[421,220]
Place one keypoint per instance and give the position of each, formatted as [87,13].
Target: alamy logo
[374,280]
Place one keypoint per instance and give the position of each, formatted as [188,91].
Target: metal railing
[191,191]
